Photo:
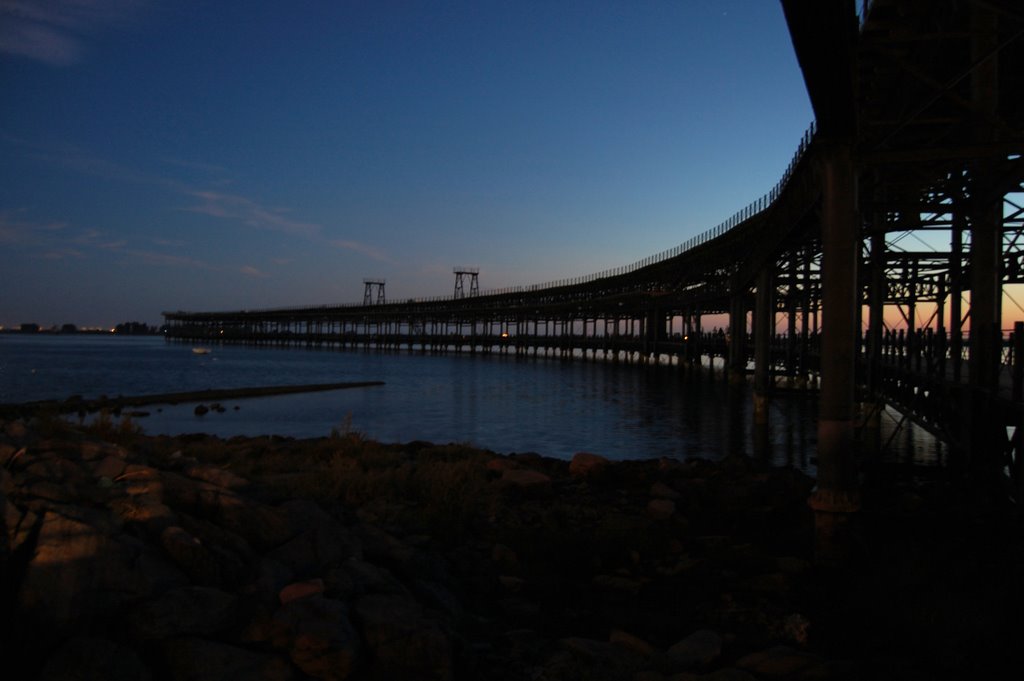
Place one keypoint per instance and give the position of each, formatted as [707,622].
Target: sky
[183,155]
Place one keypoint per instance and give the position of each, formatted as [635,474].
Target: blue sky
[160,155]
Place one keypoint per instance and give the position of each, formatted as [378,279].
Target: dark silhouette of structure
[372,285]
[474,281]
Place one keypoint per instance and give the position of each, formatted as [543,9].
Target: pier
[876,269]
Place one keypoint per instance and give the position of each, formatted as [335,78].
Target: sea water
[500,402]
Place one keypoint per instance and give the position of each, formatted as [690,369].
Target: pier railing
[749,211]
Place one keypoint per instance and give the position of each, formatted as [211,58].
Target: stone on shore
[587,465]
[318,636]
[401,640]
[699,649]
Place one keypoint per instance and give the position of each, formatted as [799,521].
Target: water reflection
[503,403]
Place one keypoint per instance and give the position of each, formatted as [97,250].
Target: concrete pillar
[986,242]
[764,327]
[737,361]
[837,493]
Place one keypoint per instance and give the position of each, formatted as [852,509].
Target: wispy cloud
[251,271]
[18,231]
[167,259]
[63,254]
[249,212]
[57,32]
[364,249]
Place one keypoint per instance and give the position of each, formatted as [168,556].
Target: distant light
[504,334]
[113,331]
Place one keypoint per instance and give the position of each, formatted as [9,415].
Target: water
[502,403]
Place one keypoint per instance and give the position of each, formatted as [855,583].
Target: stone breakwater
[131,557]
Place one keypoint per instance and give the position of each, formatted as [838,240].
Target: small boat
[200,351]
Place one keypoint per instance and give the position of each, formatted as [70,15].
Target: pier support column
[737,361]
[764,327]
[837,494]
[986,246]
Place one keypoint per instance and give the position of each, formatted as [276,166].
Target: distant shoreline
[77,404]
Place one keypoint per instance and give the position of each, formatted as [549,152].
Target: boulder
[587,465]
[80,573]
[195,659]
[262,526]
[779,662]
[698,649]
[189,554]
[110,466]
[318,636]
[214,475]
[660,490]
[401,641]
[189,610]
[89,657]
[316,549]
[526,480]
[661,509]
[630,642]
[297,590]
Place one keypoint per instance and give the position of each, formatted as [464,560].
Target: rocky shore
[131,557]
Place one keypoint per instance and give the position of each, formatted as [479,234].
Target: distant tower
[474,281]
[368,292]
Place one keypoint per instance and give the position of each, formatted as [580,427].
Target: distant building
[30,328]
[133,329]
[69,328]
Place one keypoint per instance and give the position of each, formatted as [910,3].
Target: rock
[512,583]
[189,610]
[401,641]
[631,642]
[216,476]
[18,525]
[661,509]
[267,579]
[582,658]
[201,409]
[660,490]
[367,577]
[16,430]
[138,479]
[696,650]
[144,511]
[6,453]
[87,657]
[80,573]
[503,555]
[297,590]
[319,637]
[316,549]
[195,659]
[796,628]
[728,674]
[262,526]
[617,583]
[587,465]
[95,451]
[189,554]
[526,480]
[109,467]
[779,662]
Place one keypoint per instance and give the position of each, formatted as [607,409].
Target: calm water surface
[505,404]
